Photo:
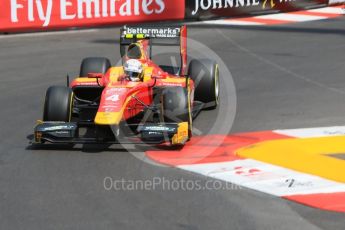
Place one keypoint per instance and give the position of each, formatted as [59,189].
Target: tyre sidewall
[58,104]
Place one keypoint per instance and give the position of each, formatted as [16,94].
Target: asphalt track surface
[289,76]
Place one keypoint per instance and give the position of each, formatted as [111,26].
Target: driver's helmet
[133,69]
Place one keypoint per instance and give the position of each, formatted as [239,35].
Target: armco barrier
[335,2]
[212,9]
[19,15]
[24,15]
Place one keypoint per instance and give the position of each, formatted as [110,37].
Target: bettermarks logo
[154,32]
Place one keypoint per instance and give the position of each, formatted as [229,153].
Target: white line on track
[329,10]
[313,132]
[266,178]
[233,22]
[290,17]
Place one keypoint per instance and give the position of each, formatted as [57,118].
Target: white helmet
[133,68]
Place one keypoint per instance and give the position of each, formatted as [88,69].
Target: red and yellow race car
[136,102]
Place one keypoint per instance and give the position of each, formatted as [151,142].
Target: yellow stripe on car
[141,36]
[129,36]
[71,107]
[85,79]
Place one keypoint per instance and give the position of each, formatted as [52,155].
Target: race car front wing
[69,132]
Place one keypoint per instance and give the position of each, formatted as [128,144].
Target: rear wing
[158,36]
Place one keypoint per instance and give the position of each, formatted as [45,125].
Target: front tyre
[58,104]
[176,107]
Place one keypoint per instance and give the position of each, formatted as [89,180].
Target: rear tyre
[94,65]
[205,74]
[58,104]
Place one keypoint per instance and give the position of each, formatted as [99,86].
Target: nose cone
[112,106]
[108,118]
